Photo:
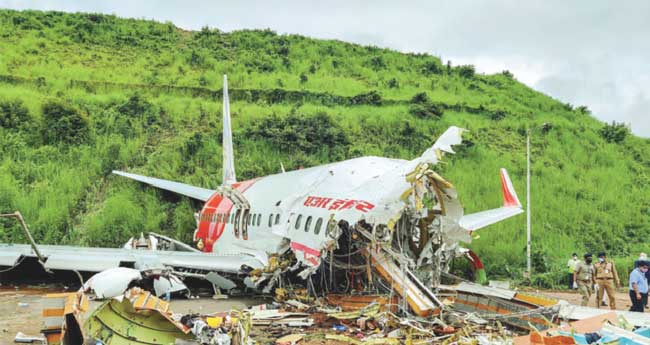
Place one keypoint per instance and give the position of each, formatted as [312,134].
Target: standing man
[584,277]
[639,287]
[643,257]
[571,265]
[606,277]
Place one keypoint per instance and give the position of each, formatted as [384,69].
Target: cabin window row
[255,219]
[308,221]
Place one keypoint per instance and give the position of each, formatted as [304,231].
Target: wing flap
[193,192]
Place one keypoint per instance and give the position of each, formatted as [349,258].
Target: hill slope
[81,94]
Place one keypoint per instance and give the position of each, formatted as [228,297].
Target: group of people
[601,277]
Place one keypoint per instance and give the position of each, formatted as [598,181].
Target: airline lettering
[338,204]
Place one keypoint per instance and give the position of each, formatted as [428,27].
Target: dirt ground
[622,298]
[20,309]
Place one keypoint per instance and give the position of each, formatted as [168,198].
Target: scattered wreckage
[469,314]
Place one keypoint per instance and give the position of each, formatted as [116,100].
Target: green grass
[587,194]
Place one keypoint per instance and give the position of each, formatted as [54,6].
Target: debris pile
[469,314]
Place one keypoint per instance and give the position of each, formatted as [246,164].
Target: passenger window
[249,219]
[270,219]
[307,224]
[298,221]
[259,219]
[319,223]
[277,219]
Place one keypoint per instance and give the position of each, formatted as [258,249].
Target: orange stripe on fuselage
[210,231]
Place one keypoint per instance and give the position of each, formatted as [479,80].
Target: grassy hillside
[82,94]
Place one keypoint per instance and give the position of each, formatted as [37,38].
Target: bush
[63,123]
[614,132]
[466,71]
[14,115]
[423,107]
[376,63]
[138,107]
[370,98]
[432,67]
[300,133]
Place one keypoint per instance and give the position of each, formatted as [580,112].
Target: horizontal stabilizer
[197,193]
[511,207]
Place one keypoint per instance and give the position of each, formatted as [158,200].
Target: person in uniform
[584,278]
[571,265]
[606,277]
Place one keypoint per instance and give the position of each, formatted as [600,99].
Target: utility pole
[529,271]
[528,263]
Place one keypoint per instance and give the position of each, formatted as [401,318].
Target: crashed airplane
[329,227]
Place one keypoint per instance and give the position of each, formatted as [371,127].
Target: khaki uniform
[606,277]
[584,274]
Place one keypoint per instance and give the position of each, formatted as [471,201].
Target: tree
[63,123]
[614,132]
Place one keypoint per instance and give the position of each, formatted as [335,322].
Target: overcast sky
[591,52]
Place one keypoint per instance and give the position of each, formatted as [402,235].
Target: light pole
[543,126]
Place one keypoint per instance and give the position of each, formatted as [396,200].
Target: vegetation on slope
[82,94]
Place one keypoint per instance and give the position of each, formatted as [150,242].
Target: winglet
[229,176]
[509,194]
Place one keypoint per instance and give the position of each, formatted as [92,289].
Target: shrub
[432,67]
[300,133]
[370,98]
[392,84]
[498,115]
[614,132]
[423,107]
[14,115]
[376,63]
[138,107]
[63,123]
[466,71]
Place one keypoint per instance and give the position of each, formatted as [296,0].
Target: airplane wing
[511,207]
[70,258]
[197,193]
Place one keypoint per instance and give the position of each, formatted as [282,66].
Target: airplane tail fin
[229,176]
[511,207]
[510,198]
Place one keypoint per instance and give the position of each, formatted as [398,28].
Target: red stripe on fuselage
[210,231]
